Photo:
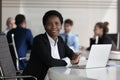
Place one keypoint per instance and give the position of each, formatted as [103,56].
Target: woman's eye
[57,23]
[48,24]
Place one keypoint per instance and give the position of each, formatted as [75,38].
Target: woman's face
[98,31]
[53,26]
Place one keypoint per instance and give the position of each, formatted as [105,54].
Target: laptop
[98,57]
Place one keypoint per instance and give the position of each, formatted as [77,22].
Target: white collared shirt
[54,50]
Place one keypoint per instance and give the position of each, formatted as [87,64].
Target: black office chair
[7,68]
[14,53]
[114,38]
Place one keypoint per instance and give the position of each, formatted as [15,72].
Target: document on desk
[115,55]
[115,52]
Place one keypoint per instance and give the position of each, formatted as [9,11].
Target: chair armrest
[16,77]
[23,58]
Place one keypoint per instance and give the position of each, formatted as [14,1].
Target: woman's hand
[75,58]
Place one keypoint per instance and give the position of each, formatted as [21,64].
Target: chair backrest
[118,41]
[15,51]
[6,61]
[114,38]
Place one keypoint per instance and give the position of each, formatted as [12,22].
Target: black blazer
[41,59]
[105,39]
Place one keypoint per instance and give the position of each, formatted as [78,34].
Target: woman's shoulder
[40,37]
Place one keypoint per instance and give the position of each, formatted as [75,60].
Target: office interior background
[84,13]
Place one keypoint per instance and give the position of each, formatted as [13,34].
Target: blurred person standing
[69,38]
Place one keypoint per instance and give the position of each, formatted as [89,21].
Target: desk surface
[108,73]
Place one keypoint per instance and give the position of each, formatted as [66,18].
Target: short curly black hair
[52,13]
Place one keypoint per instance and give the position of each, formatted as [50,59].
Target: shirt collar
[52,42]
[68,33]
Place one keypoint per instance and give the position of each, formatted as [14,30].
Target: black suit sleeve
[40,50]
[68,52]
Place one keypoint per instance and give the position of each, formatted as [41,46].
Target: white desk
[108,73]
[115,55]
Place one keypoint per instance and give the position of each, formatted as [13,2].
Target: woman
[49,50]
[100,35]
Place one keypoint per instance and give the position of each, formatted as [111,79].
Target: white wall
[84,13]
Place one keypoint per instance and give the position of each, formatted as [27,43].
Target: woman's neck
[54,38]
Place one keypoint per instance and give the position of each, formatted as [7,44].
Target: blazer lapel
[61,49]
[47,43]
[60,46]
